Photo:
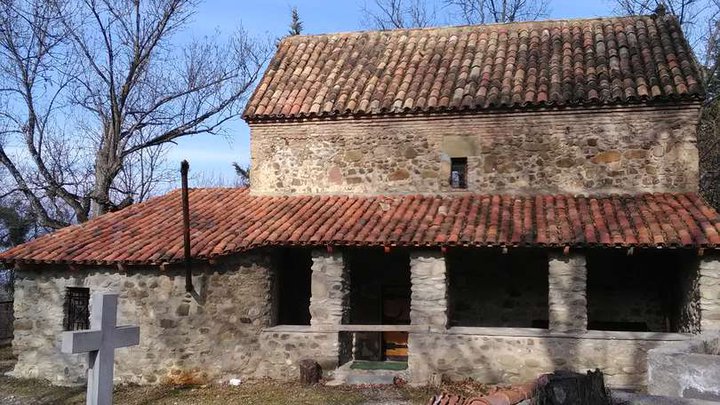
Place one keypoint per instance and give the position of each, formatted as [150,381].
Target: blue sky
[211,156]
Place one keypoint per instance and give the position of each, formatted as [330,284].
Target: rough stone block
[428,298]
[709,285]
[685,370]
[329,289]
[567,296]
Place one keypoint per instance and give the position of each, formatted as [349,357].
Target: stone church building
[490,201]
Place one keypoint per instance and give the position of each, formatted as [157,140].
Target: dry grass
[22,391]
[28,391]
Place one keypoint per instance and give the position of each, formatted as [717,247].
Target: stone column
[710,294]
[428,300]
[329,289]
[567,296]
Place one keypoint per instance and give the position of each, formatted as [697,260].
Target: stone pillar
[428,300]
[710,294]
[567,296]
[329,286]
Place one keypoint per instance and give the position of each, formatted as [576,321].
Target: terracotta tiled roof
[226,221]
[589,62]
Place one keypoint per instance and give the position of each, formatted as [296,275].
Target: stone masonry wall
[182,338]
[710,294]
[567,298]
[283,349]
[518,359]
[329,289]
[428,305]
[601,150]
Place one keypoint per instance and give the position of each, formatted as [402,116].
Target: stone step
[348,376]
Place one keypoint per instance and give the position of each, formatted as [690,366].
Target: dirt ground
[13,391]
[31,392]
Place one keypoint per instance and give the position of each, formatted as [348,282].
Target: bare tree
[391,14]
[498,11]
[143,175]
[685,10]
[93,89]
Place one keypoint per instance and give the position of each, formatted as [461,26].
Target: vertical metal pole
[184,168]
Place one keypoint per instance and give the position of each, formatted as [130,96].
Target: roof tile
[564,62]
[226,221]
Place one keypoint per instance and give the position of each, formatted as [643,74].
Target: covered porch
[495,314]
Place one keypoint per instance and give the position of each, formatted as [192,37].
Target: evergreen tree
[296,25]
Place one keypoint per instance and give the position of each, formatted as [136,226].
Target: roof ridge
[468,26]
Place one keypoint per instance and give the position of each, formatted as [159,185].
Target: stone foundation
[522,355]
[284,346]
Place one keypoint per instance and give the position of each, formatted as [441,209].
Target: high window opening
[458,172]
[491,289]
[76,309]
[293,287]
[644,292]
[379,295]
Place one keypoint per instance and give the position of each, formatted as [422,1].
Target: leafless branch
[113,67]
[391,14]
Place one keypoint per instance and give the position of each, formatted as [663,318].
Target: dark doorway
[489,288]
[293,291]
[648,291]
[380,295]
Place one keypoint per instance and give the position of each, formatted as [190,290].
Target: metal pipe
[184,168]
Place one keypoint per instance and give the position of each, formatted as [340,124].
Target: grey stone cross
[100,342]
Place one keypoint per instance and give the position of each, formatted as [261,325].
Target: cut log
[310,372]
[568,388]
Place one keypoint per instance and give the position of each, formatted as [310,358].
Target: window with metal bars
[77,308]
[458,172]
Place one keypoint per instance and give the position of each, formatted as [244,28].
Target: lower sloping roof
[226,221]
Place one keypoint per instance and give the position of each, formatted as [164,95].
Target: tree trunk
[107,166]
[310,372]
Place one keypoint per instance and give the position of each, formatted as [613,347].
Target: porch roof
[227,221]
